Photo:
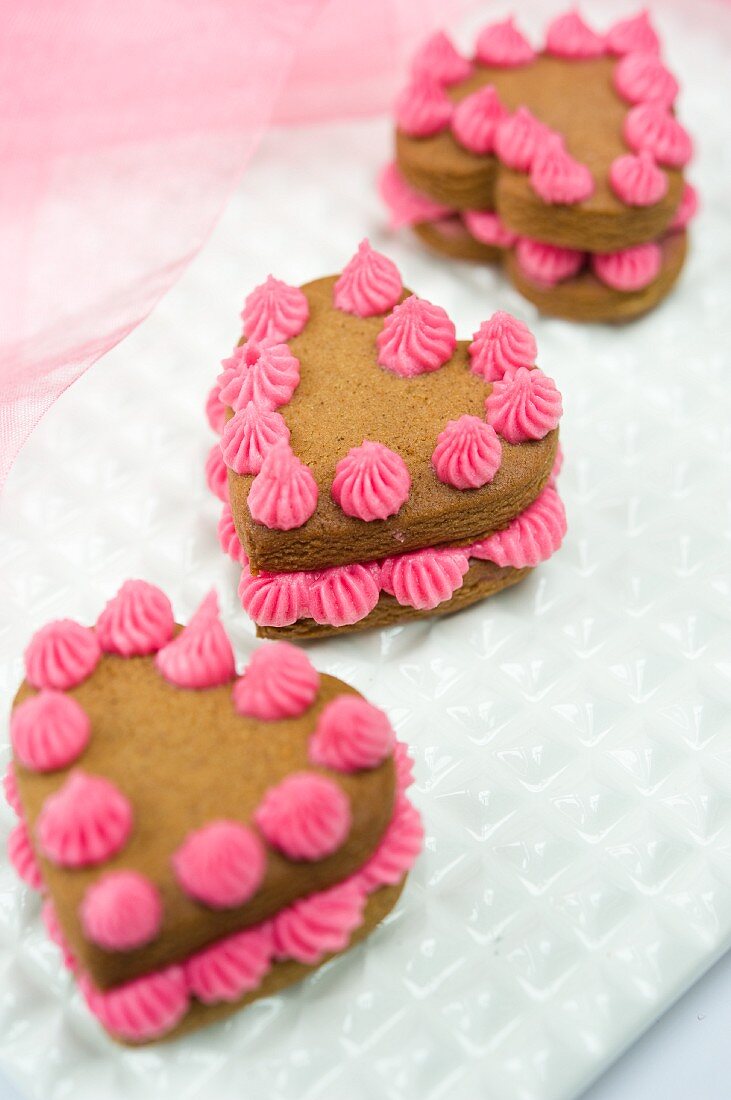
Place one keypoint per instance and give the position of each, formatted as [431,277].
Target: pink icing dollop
[143,1009]
[267,374]
[231,967]
[201,655]
[404,766]
[22,856]
[687,209]
[274,599]
[55,935]
[642,78]
[306,816]
[517,139]
[501,344]
[399,847]
[279,682]
[503,45]
[631,35]
[570,37]
[439,59]
[284,493]
[651,126]
[524,405]
[86,821]
[215,409]
[10,790]
[351,734]
[228,537]
[61,655]
[556,176]
[137,621]
[248,435]
[318,925]
[370,283]
[49,731]
[221,865]
[425,578]
[216,473]
[487,227]
[371,482]
[274,311]
[422,108]
[122,911]
[532,537]
[547,264]
[631,268]
[416,337]
[405,205]
[476,119]
[467,454]
[343,595]
[637,180]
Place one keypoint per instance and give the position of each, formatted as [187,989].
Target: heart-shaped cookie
[201,838]
[566,163]
[372,466]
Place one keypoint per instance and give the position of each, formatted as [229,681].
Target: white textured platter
[572,736]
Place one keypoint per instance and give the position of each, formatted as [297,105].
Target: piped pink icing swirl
[399,847]
[279,682]
[524,405]
[221,865]
[642,78]
[630,269]
[416,337]
[200,656]
[503,45]
[467,454]
[284,493]
[86,821]
[267,374]
[370,283]
[122,911]
[49,731]
[137,621]
[306,816]
[547,264]
[22,856]
[631,35]
[143,1009]
[217,474]
[476,119]
[371,482]
[343,595]
[405,205]
[439,59]
[274,599]
[215,409]
[556,177]
[517,139]
[502,343]
[569,36]
[637,180]
[10,790]
[487,227]
[532,537]
[425,578]
[61,655]
[422,108]
[231,967]
[351,734]
[274,311]
[651,126]
[248,435]
[404,766]
[318,925]
[228,537]
[687,209]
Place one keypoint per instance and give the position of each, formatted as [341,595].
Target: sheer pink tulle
[122,138]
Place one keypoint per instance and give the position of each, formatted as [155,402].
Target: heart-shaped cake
[200,838]
[565,163]
[373,468]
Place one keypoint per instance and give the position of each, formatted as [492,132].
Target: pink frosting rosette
[343,595]
[267,374]
[405,205]
[424,579]
[137,621]
[517,139]
[532,537]
[216,473]
[629,269]
[642,78]
[439,59]
[556,176]
[284,493]
[371,482]
[687,209]
[61,655]
[488,228]
[468,453]
[122,911]
[143,1009]
[231,967]
[524,405]
[501,344]
[23,858]
[86,821]
[399,847]
[651,126]
[318,925]
[570,37]
[370,283]
[201,655]
[248,435]
[49,731]
[274,599]
[632,35]
[503,45]
[637,180]
[279,682]
[228,537]
[215,409]
[417,337]
[306,816]
[10,790]
[423,108]
[274,311]
[476,119]
[221,865]
[351,734]
[547,264]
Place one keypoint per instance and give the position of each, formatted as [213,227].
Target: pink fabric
[123,130]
